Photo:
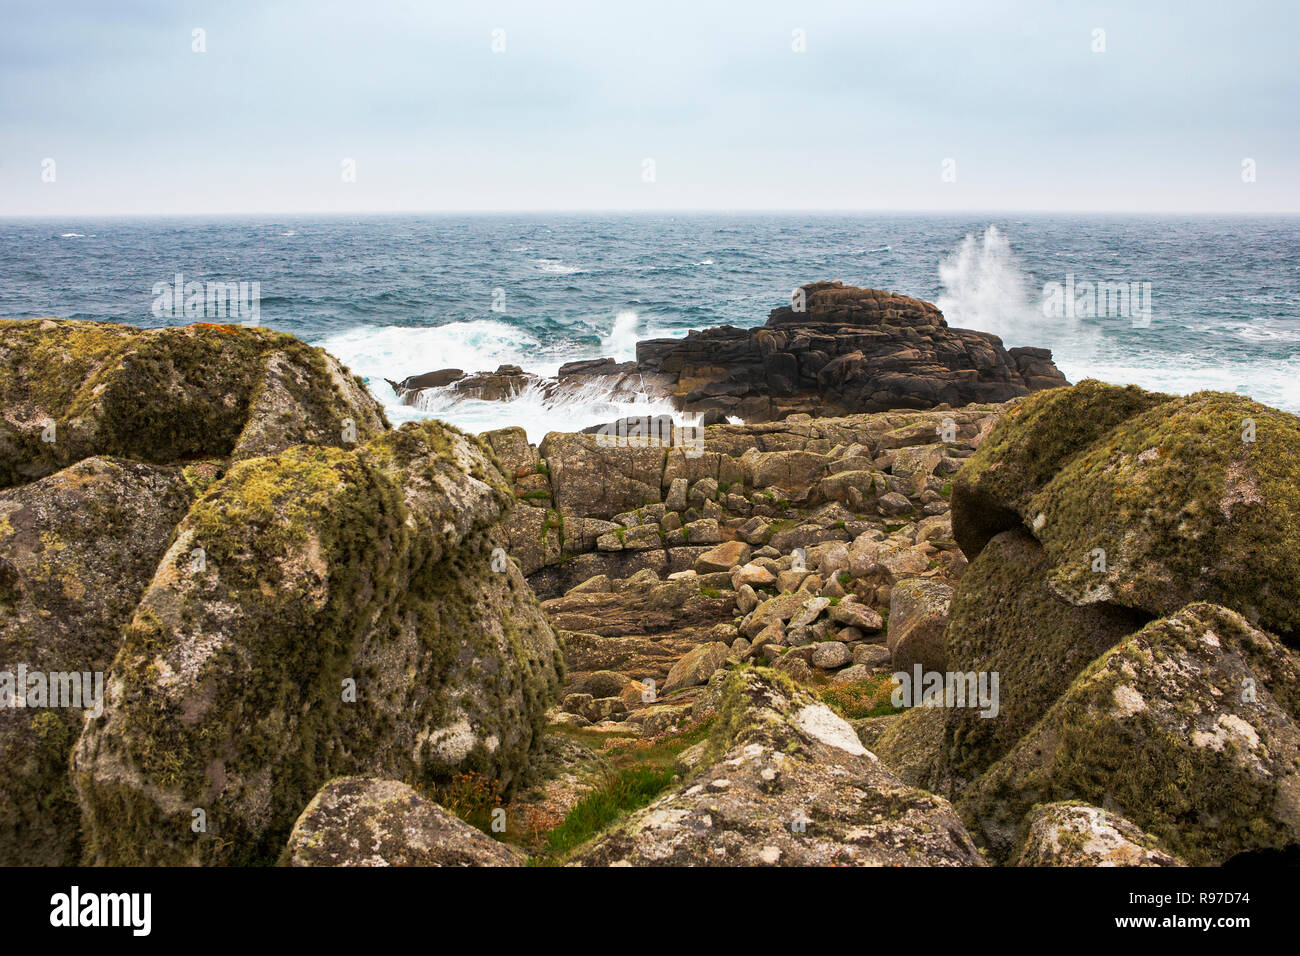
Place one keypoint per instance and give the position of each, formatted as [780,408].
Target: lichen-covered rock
[347,619]
[696,666]
[918,614]
[359,821]
[598,477]
[1145,500]
[72,389]
[1187,728]
[784,781]
[1075,834]
[533,536]
[77,549]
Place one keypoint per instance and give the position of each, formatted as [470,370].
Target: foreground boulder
[1187,728]
[72,389]
[784,781]
[355,821]
[77,549]
[321,612]
[1146,501]
[1006,620]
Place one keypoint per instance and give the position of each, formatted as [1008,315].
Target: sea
[1175,303]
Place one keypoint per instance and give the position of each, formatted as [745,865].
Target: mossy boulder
[1005,619]
[73,389]
[348,618]
[784,781]
[1145,500]
[359,821]
[911,745]
[77,549]
[1186,728]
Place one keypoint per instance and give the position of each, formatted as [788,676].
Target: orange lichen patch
[219,327]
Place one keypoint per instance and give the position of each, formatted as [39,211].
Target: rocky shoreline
[325,641]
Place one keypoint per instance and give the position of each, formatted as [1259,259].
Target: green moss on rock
[1187,728]
[77,549]
[326,569]
[74,389]
[1166,491]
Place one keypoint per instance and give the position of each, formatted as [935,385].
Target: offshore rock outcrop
[843,351]
[846,350]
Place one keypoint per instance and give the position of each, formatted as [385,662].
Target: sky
[380,106]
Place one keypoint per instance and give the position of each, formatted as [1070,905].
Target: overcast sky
[585,93]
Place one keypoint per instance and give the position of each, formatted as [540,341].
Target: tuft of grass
[470,796]
[637,770]
[621,792]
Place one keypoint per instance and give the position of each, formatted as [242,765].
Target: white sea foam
[556,267]
[394,352]
[986,288]
[620,344]
[538,413]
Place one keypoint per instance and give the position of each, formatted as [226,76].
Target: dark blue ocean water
[396,295]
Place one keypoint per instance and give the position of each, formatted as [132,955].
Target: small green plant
[622,792]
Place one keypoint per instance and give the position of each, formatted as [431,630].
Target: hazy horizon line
[700,211]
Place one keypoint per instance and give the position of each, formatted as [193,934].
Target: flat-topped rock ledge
[835,350]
